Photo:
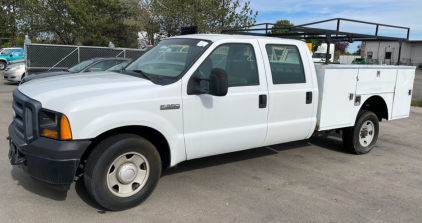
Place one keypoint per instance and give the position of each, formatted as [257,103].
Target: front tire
[361,138]
[2,65]
[122,171]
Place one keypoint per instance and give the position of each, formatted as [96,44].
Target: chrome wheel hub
[128,174]
[366,133]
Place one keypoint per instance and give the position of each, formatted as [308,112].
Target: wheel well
[152,135]
[377,105]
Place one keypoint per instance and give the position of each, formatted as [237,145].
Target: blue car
[11,54]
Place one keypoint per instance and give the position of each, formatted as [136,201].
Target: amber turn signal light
[65,133]
[50,133]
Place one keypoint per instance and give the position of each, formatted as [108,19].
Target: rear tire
[361,138]
[122,171]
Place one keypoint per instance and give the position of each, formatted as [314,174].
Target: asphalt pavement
[312,180]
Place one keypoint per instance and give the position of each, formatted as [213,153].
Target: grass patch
[417,103]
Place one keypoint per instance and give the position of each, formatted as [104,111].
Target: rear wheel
[2,65]
[122,171]
[361,138]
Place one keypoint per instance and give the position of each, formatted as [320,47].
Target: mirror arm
[199,79]
[198,89]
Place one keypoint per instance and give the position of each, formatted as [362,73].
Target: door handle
[262,101]
[309,97]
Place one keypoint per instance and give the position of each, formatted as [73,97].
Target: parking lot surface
[312,180]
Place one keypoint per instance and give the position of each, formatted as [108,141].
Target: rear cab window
[286,64]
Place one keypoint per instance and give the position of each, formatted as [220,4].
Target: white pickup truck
[220,94]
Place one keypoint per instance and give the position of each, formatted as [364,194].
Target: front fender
[171,130]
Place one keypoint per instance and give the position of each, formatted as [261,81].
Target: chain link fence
[45,57]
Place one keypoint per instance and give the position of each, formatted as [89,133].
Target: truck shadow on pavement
[331,141]
[35,186]
[83,194]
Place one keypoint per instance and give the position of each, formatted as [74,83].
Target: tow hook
[15,156]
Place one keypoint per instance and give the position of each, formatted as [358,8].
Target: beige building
[388,52]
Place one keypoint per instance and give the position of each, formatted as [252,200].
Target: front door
[237,121]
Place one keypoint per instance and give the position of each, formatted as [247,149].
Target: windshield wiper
[147,76]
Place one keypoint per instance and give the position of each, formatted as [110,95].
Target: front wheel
[361,138]
[2,65]
[122,171]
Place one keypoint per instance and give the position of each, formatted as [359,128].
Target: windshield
[170,58]
[118,66]
[80,66]
[6,51]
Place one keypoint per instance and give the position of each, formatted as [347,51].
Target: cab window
[17,53]
[237,59]
[286,64]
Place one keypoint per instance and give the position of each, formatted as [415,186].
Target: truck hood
[78,91]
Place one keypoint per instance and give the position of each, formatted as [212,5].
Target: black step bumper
[52,161]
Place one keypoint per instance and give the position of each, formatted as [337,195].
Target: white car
[224,93]
[15,72]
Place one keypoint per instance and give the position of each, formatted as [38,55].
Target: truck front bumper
[52,161]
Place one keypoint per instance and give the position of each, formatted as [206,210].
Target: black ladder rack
[328,35]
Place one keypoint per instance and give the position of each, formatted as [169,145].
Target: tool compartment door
[337,93]
[403,93]
[376,81]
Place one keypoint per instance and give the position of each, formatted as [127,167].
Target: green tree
[281,24]
[101,21]
[207,15]
[146,22]
[10,17]
[52,20]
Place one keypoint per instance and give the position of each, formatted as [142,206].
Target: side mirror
[218,83]
[11,55]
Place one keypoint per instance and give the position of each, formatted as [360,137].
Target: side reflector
[65,133]
[50,133]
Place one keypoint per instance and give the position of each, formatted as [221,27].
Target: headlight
[54,125]
[15,68]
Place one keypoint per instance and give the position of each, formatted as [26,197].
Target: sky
[406,13]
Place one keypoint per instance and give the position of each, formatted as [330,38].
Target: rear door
[291,93]
[403,93]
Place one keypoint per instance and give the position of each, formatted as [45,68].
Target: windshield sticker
[202,43]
